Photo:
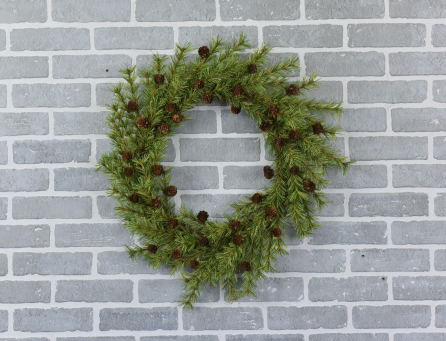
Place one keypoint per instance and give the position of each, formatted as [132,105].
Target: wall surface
[374,271]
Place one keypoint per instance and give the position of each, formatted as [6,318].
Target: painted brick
[440,204]
[15,236]
[142,38]
[53,320]
[303,36]
[386,35]
[313,261]
[392,316]
[138,319]
[271,337]
[119,262]
[333,64]
[419,288]
[3,320]
[24,180]
[335,207]
[216,205]
[202,122]
[94,291]
[51,207]
[50,39]
[87,11]
[440,260]
[307,317]
[241,123]
[103,94]
[276,289]
[94,66]
[418,119]
[350,337]
[438,35]
[25,292]
[3,153]
[393,260]
[51,95]
[439,91]
[418,176]
[344,9]
[203,318]
[103,146]
[440,316]
[26,123]
[23,11]
[171,290]
[195,177]
[351,289]
[106,207]
[97,338]
[388,148]
[439,147]
[358,176]
[3,264]
[418,232]
[245,10]
[347,233]
[329,91]
[199,36]
[420,337]
[417,9]
[51,151]
[2,40]
[27,339]
[417,63]
[220,149]
[2,96]
[274,57]
[23,67]
[3,208]
[105,234]
[244,177]
[80,123]
[79,179]
[153,10]
[181,338]
[52,263]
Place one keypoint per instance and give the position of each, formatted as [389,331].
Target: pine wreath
[147,109]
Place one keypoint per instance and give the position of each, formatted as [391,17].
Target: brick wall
[375,269]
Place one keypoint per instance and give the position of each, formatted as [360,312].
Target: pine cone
[237,91]
[171,191]
[309,186]
[273,110]
[202,216]
[207,98]
[252,68]
[152,248]
[294,135]
[271,212]
[159,79]
[164,128]
[203,52]
[127,156]
[132,106]
[235,110]
[177,118]
[276,232]
[199,84]
[245,266]
[172,223]
[177,254]
[238,239]
[294,170]
[134,198]
[268,172]
[142,122]
[128,171]
[279,142]
[170,107]
[265,126]
[158,170]
[193,263]
[317,128]
[156,203]
[292,90]
[203,241]
[257,198]
[236,225]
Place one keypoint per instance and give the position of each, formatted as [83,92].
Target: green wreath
[240,250]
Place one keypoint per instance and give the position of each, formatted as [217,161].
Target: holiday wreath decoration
[146,110]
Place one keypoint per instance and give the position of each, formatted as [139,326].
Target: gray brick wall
[373,271]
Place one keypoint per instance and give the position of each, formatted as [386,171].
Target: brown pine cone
[257,198]
[158,170]
[252,68]
[294,135]
[152,248]
[268,172]
[171,191]
[132,106]
[317,128]
[193,263]
[128,171]
[273,110]
[199,84]
[265,126]
[236,225]
[134,198]
[237,91]
[292,90]
[271,212]
[235,110]
[159,79]
[245,266]
[172,223]
[207,98]
[156,203]
[177,118]
[127,156]
[203,241]
[170,107]
[202,216]
[142,122]
[276,232]
[279,142]
[177,254]
[204,52]
[238,239]
[164,128]
[309,186]
[294,170]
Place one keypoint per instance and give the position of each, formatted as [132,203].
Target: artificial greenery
[146,110]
